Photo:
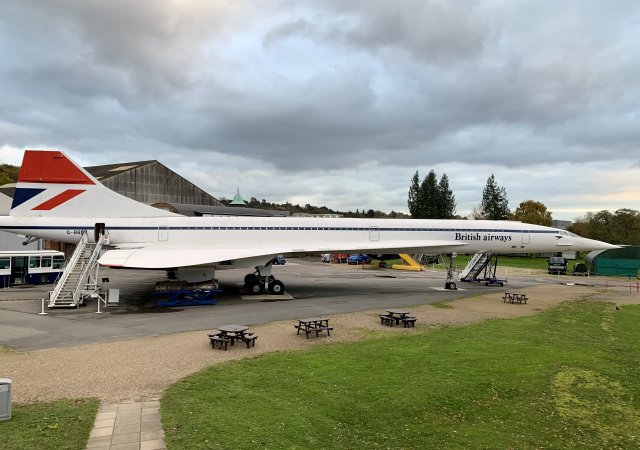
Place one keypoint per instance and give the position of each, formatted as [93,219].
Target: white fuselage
[312,234]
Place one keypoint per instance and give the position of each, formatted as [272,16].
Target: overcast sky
[336,103]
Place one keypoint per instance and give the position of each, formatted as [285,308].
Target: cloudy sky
[336,103]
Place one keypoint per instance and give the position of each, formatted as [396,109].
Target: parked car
[358,259]
[430,259]
[339,257]
[279,261]
[557,264]
[580,269]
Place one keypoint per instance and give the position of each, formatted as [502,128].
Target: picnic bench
[315,325]
[514,297]
[228,334]
[219,340]
[395,316]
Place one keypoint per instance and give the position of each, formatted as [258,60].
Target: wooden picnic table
[514,297]
[314,325]
[228,334]
[396,316]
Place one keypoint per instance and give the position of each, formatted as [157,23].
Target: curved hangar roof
[623,261]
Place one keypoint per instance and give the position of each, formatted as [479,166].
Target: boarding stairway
[79,278]
[409,263]
[482,268]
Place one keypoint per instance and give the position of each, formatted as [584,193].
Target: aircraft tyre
[256,287]
[249,279]
[450,285]
[276,287]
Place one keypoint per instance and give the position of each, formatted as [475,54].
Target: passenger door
[19,269]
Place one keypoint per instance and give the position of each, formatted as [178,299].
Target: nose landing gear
[449,284]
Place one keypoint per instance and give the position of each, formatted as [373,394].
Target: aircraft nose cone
[599,245]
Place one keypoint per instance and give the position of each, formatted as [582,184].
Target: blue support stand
[187,297]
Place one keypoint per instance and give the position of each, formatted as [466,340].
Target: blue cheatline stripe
[23,194]
[447,230]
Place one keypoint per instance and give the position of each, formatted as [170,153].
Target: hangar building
[623,261]
[151,182]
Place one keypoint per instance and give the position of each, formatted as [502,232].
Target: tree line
[621,227]
[8,174]
[433,199]
[310,209]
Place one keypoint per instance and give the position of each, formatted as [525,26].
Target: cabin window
[5,263]
[58,262]
[34,262]
[46,261]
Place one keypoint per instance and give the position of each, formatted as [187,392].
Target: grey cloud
[430,31]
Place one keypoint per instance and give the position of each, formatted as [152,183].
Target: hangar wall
[624,261]
[151,182]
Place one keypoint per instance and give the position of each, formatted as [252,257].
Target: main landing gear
[450,284]
[260,282]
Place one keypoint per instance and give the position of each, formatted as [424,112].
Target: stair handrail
[481,265]
[82,284]
[471,264]
[69,264]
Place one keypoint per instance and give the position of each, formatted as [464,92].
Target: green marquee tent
[623,261]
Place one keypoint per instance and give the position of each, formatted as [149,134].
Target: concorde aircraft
[57,199]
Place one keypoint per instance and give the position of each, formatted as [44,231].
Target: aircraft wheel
[256,287]
[249,279]
[276,287]
[450,285]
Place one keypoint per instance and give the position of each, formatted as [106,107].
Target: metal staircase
[80,276]
[474,267]
[482,268]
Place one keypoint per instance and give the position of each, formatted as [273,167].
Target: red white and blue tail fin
[50,184]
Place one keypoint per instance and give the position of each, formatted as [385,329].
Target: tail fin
[50,184]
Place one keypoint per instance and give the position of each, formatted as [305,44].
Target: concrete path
[128,426]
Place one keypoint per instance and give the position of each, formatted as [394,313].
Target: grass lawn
[566,378]
[64,424]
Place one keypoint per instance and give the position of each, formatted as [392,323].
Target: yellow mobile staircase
[409,263]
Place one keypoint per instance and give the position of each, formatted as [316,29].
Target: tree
[530,211]
[581,225]
[495,205]
[428,198]
[414,194]
[431,199]
[446,199]
[625,227]
[8,174]
[600,226]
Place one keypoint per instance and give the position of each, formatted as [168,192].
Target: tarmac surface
[312,288]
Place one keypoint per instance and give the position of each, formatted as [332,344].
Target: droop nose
[592,244]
